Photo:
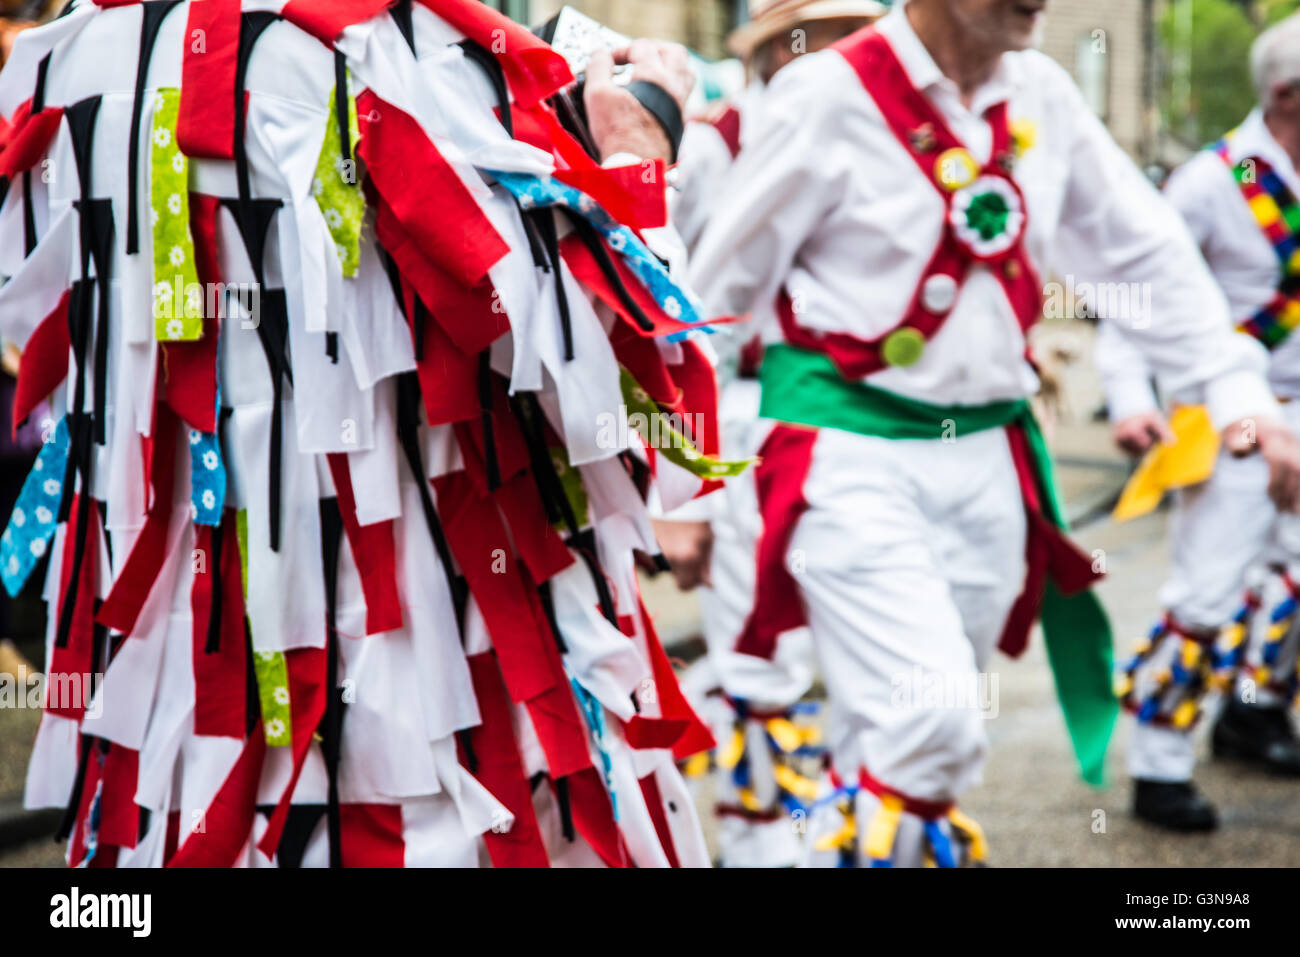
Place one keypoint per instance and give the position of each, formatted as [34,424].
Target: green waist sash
[804,387]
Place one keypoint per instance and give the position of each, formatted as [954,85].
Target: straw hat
[767,18]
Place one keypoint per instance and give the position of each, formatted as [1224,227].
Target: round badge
[903,347]
[955,168]
[938,293]
[987,216]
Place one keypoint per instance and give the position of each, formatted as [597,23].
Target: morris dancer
[350,553]
[902,194]
[768,745]
[1230,602]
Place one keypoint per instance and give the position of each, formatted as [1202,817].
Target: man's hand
[1277,443]
[688,546]
[1138,433]
[618,122]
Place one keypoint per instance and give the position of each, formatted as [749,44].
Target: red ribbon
[130,591]
[533,70]
[434,208]
[45,363]
[28,138]
[220,677]
[785,459]
[326,19]
[205,125]
[374,552]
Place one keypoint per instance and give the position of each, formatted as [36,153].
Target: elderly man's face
[1004,25]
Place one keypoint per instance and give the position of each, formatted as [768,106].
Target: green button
[903,347]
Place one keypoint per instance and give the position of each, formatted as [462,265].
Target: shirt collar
[1252,138]
[925,73]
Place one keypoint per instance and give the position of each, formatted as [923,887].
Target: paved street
[1036,810]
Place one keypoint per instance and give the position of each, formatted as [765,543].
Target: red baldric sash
[977,202]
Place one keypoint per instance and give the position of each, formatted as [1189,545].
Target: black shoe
[1173,805]
[1261,735]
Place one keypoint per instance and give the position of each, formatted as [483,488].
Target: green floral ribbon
[273,691]
[337,188]
[178,299]
[657,430]
[269,667]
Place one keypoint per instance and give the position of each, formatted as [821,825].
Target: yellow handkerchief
[1187,461]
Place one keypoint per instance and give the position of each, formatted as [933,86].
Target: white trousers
[1224,533]
[909,558]
[766,684]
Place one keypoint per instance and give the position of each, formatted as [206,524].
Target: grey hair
[1275,58]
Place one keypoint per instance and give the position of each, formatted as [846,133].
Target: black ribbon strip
[101,230]
[213,643]
[548,606]
[341,109]
[401,14]
[331,725]
[78,785]
[150,22]
[466,740]
[95,217]
[299,826]
[408,434]
[491,460]
[531,420]
[252,694]
[29,214]
[566,810]
[591,239]
[253,217]
[528,413]
[544,221]
[496,76]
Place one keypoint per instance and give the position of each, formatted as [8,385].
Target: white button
[939,293]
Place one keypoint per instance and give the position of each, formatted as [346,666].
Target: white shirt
[825,201]
[1243,261]
[705,164]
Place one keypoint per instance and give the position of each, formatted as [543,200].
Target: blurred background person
[767,743]
[1229,619]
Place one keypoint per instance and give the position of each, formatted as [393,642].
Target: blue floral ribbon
[676,301]
[207,474]
[35,515]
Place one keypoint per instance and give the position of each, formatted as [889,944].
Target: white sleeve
[779,189]
[1118,234]
[1125,375]
[701,174]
